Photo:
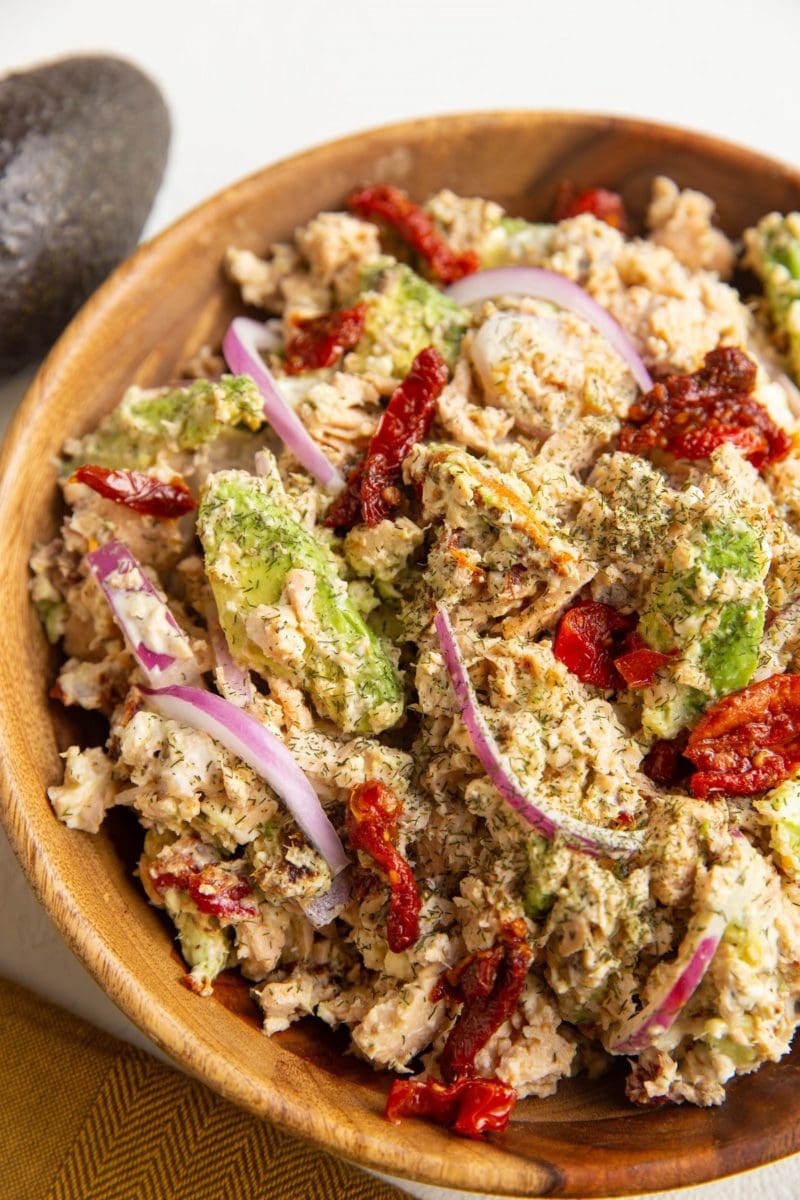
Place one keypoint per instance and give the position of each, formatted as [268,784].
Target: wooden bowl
[153,313]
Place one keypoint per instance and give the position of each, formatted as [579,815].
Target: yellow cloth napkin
[86,1117]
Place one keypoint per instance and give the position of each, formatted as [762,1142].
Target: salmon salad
[445,618]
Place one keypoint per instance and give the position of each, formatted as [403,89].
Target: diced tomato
[638,663]
[588,639]
[601,646]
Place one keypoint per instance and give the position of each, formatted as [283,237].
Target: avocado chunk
[712,612]
[779,815]
[205,948]
[83,148]
[548,865]
[405,314]
[254,549]
[515,242]
[773,252]
[148,423]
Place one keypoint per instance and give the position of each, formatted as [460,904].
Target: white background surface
[249,81]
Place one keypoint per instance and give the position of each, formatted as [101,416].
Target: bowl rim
[118,981]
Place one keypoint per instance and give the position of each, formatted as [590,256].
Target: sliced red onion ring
[241,349]
[234,682]
[321,910]
[159,645]
[251,741]
[701,940]
[165,657]
[685,976]
[556,289]
[579,835]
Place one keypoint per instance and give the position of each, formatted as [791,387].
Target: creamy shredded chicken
[518,504]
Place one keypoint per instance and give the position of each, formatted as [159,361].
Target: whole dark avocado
[83,143]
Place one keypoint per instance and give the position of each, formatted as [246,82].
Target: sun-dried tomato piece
[638,667]
[687,414]
[600,202]
[489,989]
[471,1107]
[638,664]
[390,204]
[665,762]
[213,889]
[589,638]
[485,1106]
[345,511]
[321,341]
[474,976]
[700,443]
[373,488]
[600,645]
[406,421]
[747,742]
[743,783]
[143,493]
[373,811]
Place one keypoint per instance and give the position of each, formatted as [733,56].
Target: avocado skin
[83,144]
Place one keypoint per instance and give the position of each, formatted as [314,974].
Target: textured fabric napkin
[86,1117]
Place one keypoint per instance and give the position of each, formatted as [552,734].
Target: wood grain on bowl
[156,311]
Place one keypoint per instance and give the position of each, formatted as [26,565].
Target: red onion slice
[693,960]
[695,954]
[233,681]
[251,741]
[321,910]
[157,642]
[579,835]
[164,655]
[241,349]
[556,289]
